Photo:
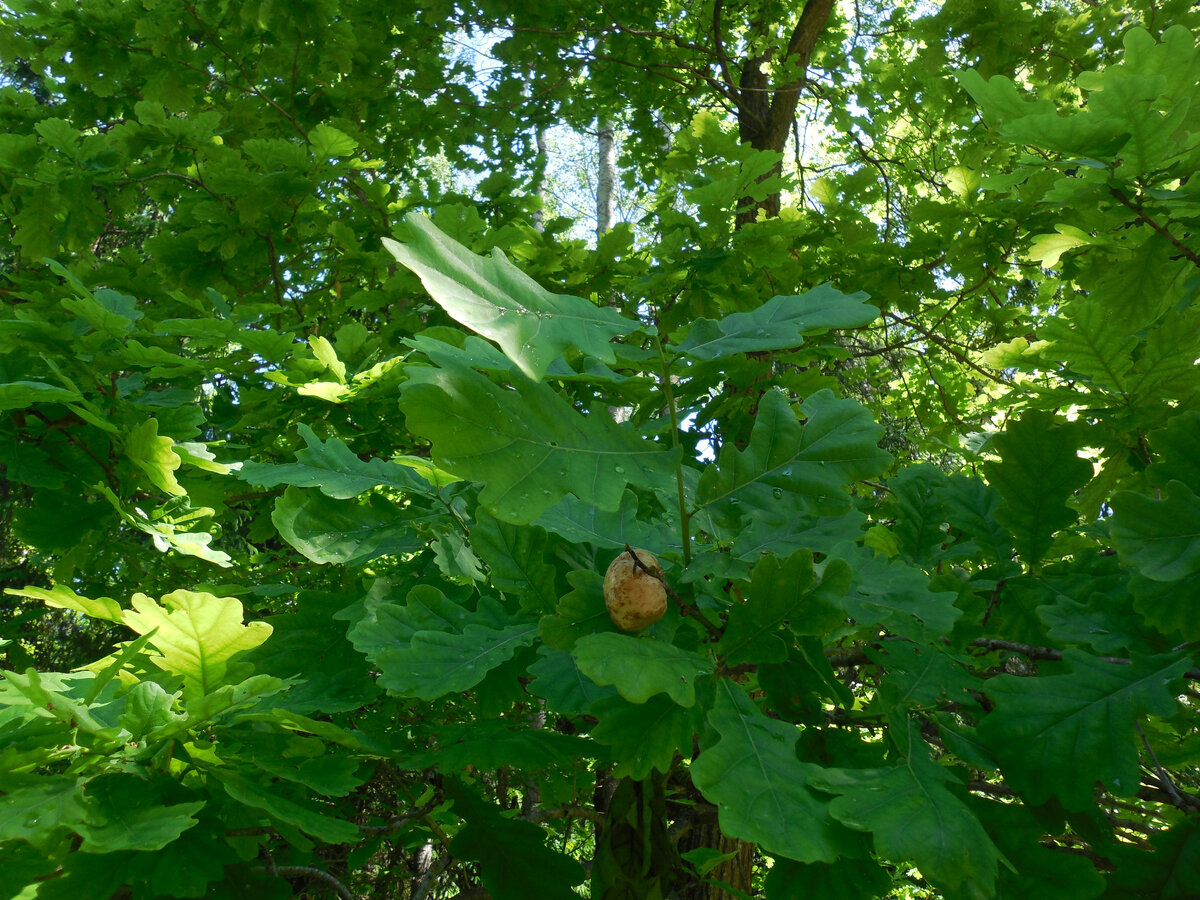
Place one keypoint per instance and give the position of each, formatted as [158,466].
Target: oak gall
[634,591]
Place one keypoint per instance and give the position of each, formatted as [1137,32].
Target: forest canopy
[684,449]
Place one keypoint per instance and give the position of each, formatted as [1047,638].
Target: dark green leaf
[761,788]
[779,324]
[1057,736]
[641,667]
[527,445]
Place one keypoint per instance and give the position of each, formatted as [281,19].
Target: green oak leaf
[124,815]
[1176,444]
[340,531]
[22,394]
[332,467]
[796,530]
[842,879]
[1083,337]
[154,455]
[580,612]
[308,643]
[516,561]
[914,812]
[1056,736]
[35,807]
[494,298]
[970,505]
[514,861]
[779,324]
[583,523]
[1037,872]
[760,786]
[1168,872]
[892,594]
[198,858]
[916,506]
[644,736]
[62,597]
[491,745]
[527,444]
[441,662]
[197,633]
[1160,538]
[835,446]
[924,675]
[1169,606]
[327,141]
[300,760]
[433,646]
[289,812]
[1037,474]
[783,594]
[148,708]
[566,690]
[641,667]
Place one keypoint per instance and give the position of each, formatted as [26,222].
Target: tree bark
[543,153]
[605,178]
[737,872]
[765,112]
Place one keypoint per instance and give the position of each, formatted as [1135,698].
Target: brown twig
[685,609]
[1187,252]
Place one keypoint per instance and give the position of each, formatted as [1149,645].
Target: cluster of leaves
[336,491]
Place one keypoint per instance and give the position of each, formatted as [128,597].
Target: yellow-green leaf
[197,633]
[155,456]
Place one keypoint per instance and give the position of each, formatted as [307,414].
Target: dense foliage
[318,430]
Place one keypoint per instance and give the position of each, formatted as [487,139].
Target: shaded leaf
[783,594]
[1056,736]
[913,814]
[842,879]
[1037,473]
[558,681]
[514,861]
[835,445]
[527,445]
[1160,538]
[338,531]
[641,667]
[289,812]
[644,736]
[123,815]
[778,324]
[516,561]
[760,786]
[330,466]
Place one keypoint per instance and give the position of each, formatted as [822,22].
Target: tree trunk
[765,113]
[539,215]
[605,178]
[737,872]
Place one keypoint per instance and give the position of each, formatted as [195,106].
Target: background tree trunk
[765,112]
[605,178]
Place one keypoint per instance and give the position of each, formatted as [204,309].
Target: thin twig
[1171,789]
[1187,252]
[321,875]
[685,608]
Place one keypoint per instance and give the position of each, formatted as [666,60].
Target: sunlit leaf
[497,300]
